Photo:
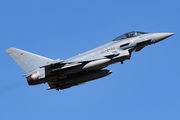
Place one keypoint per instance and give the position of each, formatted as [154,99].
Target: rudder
[26,60]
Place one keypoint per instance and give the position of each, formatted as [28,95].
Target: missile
[68,82]
[92,65]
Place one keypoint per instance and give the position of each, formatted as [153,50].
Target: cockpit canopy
[129,35]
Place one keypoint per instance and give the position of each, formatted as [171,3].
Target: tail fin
[26,60]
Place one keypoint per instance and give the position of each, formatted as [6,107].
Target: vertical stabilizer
[26,60]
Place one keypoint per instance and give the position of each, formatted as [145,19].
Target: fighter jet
[62,74]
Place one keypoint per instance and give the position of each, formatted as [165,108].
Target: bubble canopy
[130,34]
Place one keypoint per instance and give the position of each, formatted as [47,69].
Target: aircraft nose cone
[161,36]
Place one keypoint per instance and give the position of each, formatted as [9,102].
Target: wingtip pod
[48,88]
[10,50]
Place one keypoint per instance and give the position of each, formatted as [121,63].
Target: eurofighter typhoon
[62,74]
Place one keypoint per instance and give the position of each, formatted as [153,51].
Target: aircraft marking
[108,49]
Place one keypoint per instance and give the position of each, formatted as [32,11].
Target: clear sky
[147,87]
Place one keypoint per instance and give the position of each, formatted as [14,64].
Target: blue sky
[145,87]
